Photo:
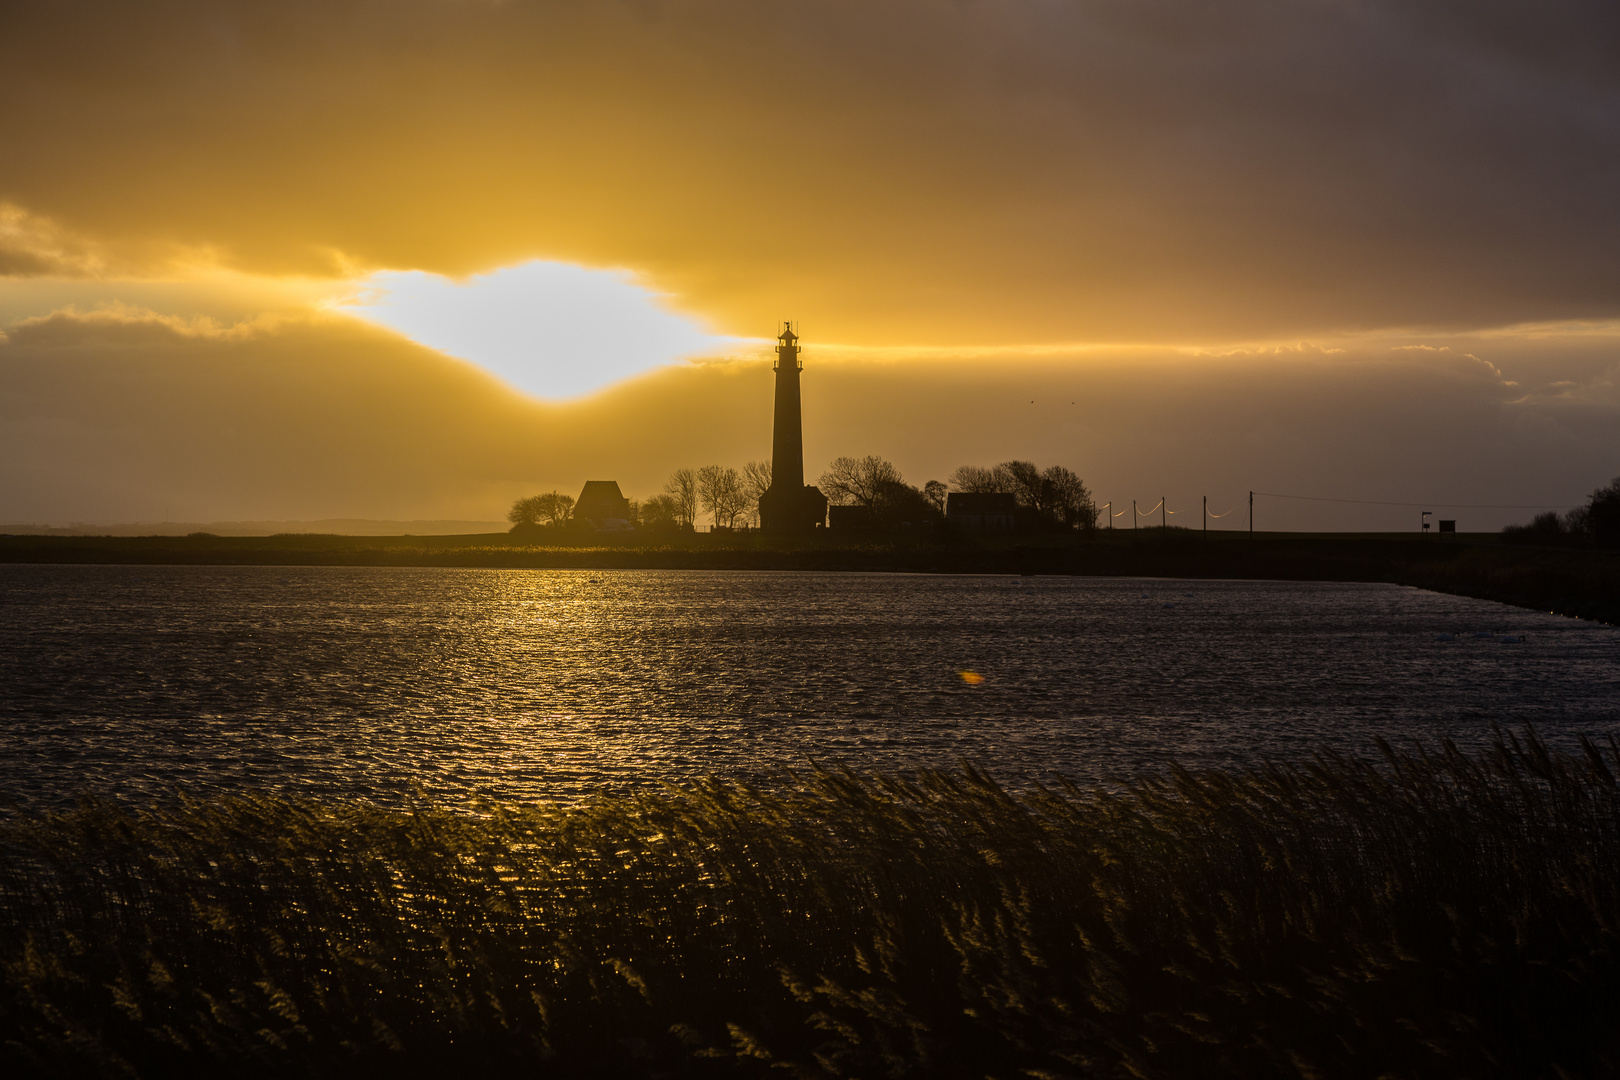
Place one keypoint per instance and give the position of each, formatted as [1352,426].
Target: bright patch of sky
[551,329]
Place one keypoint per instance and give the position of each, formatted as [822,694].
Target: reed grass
[1414,915]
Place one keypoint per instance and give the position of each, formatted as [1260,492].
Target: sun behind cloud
[551,329]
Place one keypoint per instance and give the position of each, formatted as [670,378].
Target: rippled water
[553,684]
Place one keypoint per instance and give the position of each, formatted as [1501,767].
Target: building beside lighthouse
[790,505]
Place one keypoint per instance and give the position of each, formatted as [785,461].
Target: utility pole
[1164,514]
[1251,513]
[1134,525]
[1206,515]
[1109,507]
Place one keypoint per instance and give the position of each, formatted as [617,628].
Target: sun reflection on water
[557,684]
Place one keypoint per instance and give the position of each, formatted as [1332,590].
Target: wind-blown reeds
[1429,915]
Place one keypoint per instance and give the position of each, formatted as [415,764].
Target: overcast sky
[1346,248]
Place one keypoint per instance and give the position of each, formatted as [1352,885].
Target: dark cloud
[893,171]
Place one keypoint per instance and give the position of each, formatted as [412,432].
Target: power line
[1453,506]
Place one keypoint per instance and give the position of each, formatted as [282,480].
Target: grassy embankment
[1446,916]
[1572,581]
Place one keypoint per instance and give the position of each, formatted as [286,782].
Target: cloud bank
[130,416]
[891,172]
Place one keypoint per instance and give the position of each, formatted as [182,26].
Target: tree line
[728,495]
[1051,498]
[1601,514]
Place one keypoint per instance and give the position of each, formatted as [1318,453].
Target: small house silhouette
[603,505]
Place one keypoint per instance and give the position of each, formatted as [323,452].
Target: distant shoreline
[1578,582]
[263,528]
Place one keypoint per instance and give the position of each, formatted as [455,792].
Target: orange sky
[1360,248]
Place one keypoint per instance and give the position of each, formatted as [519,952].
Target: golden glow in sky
[552,330]
[1365,249]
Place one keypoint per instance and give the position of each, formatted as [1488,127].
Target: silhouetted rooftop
[601,501]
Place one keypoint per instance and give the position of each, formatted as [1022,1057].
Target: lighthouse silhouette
[789,505]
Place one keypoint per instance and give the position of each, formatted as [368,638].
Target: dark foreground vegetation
[1579,581]
[1426,916]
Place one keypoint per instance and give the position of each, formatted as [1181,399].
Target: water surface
[375,682]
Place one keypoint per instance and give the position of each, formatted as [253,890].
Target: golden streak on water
[563,685]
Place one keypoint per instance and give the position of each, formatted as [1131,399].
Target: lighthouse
[790,505]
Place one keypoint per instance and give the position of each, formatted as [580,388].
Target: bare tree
[682,487]
[557,508]
[1024,480]
[860,481]
[979,480]
[756,482]
[735,501]
[756,477]
[935,493]
[721,492]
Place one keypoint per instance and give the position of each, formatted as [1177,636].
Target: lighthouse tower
[790,505]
